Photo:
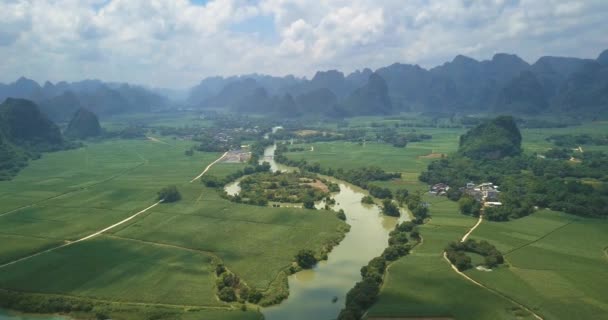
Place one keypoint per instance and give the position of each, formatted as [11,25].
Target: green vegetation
[367,200]
[84,124]
[494,139]
[306,259]
[173,247]
[556,263]
[455,252]
[293,187]
[24,133]
[390,209]
[169,194]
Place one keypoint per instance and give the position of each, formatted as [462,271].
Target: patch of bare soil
[433,155]
[318,184]
[304,133]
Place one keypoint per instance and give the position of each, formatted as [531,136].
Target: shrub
[169,194]
[306,259]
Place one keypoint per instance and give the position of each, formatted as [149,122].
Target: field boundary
[81,239]
[161,244]
[209,167]
[540,238]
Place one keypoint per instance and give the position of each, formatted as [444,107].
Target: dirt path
[445,256]
[82,239]
[472,229]
[464,238]
[156,140]
[209,167]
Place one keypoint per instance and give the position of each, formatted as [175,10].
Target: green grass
[161,257]
[556,263]
[121,270]
[424,285]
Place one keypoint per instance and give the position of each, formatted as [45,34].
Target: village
[486,193]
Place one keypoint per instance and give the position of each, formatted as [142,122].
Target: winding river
[312,292]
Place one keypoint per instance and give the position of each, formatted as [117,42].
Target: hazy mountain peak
[603,57]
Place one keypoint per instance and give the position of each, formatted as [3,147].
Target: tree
[401,195]
[309,204]
[306,258]
[227,294]
[389,208]
[169,194]
[367,200]
[469,206]
[341,215]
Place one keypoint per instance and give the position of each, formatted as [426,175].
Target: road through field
[464,238]
[209,167]
[84,238]
[472,229]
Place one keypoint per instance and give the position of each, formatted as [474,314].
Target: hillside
[494,139]
[84,124]
[24,133]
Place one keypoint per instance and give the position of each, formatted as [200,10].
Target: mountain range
[504,84]
[61,100]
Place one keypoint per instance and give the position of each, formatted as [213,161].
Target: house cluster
[487,193]
[439,189]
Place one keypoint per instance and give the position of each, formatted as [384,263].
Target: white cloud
[176,43]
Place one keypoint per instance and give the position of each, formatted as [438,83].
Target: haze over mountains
[503,84]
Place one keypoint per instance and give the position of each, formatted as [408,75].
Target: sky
[176,43]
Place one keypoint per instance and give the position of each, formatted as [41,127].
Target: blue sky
[176,43]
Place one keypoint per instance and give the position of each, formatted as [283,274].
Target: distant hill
[59,101]
[493,139]
[24,133]
[84,124]
[506,83]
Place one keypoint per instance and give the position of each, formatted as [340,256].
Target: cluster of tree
[367,200]
[575,140]
[212,141]
[400,140]
[390,209]
[379,192]
[559,153]
[365,292]
[212,181]
[43,303]
[169,194]
[230,287]
[455,252]
[306,259]
[293,187]
[527,181]
[469,206]
[418,208]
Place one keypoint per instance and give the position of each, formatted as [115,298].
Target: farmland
[164,258]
